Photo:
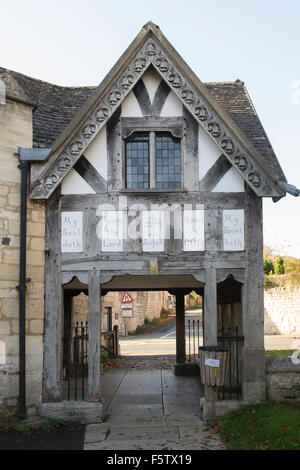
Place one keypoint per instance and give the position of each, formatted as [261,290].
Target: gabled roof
[223,109]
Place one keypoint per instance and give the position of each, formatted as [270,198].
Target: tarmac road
[162,340]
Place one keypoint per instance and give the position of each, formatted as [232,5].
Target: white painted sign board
[233,230]
[127,313]
[153,230]
[71,232]
[212,362]
[112,231]
[193,230]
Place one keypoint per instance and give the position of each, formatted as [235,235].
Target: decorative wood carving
[150,53]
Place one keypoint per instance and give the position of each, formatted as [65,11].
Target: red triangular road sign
[126,298]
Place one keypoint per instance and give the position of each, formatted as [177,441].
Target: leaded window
[153,160]
[168,161]
[137,162]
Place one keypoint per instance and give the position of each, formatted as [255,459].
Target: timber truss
[151,47]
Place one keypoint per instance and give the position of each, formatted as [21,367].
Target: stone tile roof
[57,105]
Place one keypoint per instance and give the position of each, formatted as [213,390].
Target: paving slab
[143,433]
[140,399]
[167,444]
[96,432]
[151,409]
[184,420]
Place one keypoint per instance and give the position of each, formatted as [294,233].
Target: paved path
[148,407]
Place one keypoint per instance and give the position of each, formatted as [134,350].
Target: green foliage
[147,326]
[52,423]
[46,425]
[279,265]
[268,266]
[28,428]
[269,283]
[283,280]
[272,426]
[291,265]
[279,352]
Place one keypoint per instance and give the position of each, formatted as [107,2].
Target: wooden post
[210,321]
[53,324]
[116,340]
[68,322]
[254,358]
[94,336]
[180,327]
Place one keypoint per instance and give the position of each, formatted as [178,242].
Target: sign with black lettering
[233,230]
[71,232]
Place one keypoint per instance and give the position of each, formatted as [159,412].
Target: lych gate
[153,186]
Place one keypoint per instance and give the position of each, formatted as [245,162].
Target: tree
[279,265]
[268,266]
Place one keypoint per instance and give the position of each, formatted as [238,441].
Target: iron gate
[231,340]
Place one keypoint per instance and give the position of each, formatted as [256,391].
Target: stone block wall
[16,131]
[282,311]
[283,379]
[145,305]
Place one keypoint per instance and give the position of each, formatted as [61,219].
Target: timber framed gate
[75,366]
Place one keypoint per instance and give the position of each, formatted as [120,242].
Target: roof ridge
[19,74]
[236,82]
[9,71]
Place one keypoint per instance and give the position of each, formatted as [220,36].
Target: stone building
[151,181]
[144,305]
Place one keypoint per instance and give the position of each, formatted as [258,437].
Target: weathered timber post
[94,336]
[180,328]
[53,325]
[210,321]
[254,359]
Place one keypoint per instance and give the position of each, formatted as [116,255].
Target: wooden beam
[215,174]
[210,321]
[142,96]
[53,323]
[94,336]
[210,307]
[159,99]
[89,173]
[180,327]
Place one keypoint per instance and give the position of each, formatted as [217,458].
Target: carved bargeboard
[150,53]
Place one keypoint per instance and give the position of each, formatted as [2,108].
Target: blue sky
[70,42]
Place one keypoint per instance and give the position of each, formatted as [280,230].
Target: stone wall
[16,131]
[145,305]
[283,379]
[282,311]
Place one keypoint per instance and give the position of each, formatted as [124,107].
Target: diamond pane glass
[168,164]
[137,162]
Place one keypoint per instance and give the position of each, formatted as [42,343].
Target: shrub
[268,266]
[279,265]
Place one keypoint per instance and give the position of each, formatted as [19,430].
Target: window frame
[152,126]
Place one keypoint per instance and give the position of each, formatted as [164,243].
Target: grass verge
[149,325]
[278,352]
[272,426]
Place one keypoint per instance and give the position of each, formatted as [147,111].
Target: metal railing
[193,340]
[76,362]
[231,339]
